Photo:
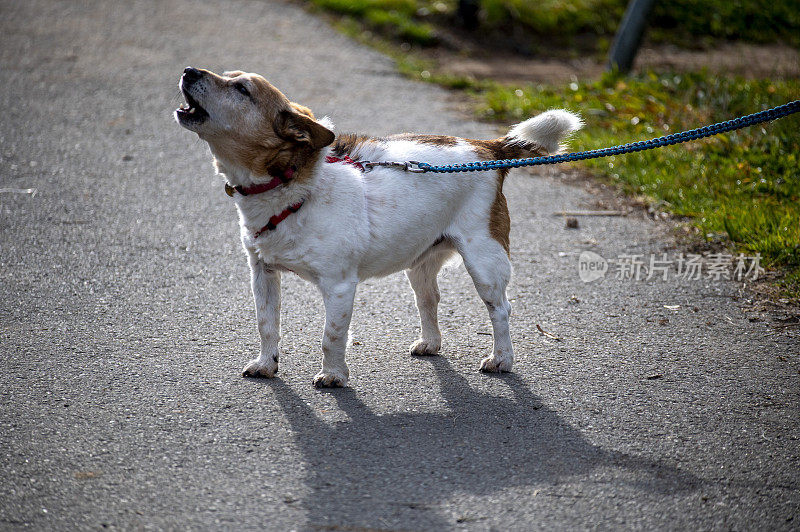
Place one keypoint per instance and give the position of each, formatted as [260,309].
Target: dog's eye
[241,88]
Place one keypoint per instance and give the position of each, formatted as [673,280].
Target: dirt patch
[510,69]
[775,61]
[752,61]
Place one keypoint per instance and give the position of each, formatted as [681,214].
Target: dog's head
[248,122]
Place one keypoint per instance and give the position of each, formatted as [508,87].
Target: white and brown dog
[307,205]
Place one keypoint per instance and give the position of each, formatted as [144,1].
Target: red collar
[278,218]
[280,179]
[276,181]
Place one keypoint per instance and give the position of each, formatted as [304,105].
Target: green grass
[685,22]
[744,184]
[398,19]
[556,17]
[593,22]
[760,21]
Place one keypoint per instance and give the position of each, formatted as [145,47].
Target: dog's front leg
[266,284]
[338,298]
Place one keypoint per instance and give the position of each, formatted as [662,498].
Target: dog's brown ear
[302,109]
[302,129]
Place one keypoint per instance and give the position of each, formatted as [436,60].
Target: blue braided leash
[675,138]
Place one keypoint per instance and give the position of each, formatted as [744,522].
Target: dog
[310,203]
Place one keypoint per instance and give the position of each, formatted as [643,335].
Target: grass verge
[527,25]
[742,186]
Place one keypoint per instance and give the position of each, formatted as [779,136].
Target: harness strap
[346,159]
[277,181]
[278,218]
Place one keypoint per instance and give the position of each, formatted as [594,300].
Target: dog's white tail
[547,129]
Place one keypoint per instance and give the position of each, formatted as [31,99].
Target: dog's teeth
[192,110]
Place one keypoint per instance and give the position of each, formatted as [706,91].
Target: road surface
[125,319]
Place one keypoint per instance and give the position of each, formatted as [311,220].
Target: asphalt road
[125,319]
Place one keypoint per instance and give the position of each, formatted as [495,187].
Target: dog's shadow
[398,470]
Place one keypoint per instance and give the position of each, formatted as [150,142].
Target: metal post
[467,13]
[629,35]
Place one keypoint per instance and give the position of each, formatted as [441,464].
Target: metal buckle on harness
[410,166]
[413,166]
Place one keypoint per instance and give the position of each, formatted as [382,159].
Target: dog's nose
[191,74]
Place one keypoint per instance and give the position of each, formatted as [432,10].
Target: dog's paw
[494,364]
[261,368]
[424,347]
[330,379]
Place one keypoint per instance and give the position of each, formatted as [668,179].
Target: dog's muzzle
[190,113]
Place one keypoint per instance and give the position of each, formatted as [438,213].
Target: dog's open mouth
[191,110]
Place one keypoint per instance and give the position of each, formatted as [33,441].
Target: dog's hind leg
[488,265]
[422,277]
[266,285]
[338,298]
